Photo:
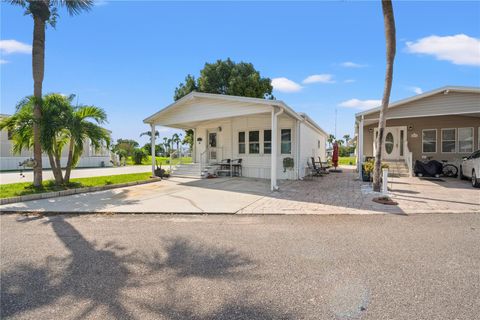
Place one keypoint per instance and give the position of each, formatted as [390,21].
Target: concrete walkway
[14,176]
[336,193]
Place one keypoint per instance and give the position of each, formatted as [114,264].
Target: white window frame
[472,129]
[454,140]
[436,141]
[244,141]
[478,138]
[291,140]
[263,141]
[259,142]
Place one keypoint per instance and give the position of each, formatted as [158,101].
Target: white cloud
[350,64]
[283,84]
[459,49]
[14,46]
[417,90]
[100,3]
[3,61]
[349,80]
[360,104]
[319,78]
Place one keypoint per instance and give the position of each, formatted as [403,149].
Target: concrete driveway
[336,193]
[240,267]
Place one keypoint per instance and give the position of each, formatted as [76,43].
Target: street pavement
[138,266]
[14,176]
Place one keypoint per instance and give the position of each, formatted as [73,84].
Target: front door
[212,151]
[393,143]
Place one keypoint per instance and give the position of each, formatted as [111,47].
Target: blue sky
[128,57]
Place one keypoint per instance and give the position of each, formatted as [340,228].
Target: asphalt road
[240,267]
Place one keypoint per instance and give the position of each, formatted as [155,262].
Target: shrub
[139,155]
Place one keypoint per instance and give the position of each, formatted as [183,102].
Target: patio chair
[324,166]
[312,170]
[223,167]
[237,167]
[319,170]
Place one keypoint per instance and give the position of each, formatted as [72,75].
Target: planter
[365,176]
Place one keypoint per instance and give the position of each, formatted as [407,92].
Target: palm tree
[346,138]
[166,145]
[149,134]
[177,138]
[43,12]
[331,139]
[389,23]
[61,125]
[80,129]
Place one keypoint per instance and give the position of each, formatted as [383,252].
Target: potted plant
[367,169]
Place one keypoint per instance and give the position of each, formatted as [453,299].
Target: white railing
[408,158]
[180,155]
[206,156]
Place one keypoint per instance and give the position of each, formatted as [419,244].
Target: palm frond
[74,7]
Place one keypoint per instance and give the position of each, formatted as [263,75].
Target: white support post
[152,140]
[194,146]
[360,148]
[385,181]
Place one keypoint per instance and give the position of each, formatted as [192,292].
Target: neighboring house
[442,124]
[10,161]
[231,127]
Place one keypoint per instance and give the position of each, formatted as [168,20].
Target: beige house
[442,124]
[10,161]
[263,133]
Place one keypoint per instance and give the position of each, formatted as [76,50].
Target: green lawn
[25,188]
[347,160]
[161,160]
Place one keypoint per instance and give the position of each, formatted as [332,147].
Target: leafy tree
[188,139]
[227,77]
[346,138]
[390,38]
[147,147]
[43,12]
[61,124]
[125,144]
[139,155]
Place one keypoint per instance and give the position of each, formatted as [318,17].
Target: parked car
[470,168]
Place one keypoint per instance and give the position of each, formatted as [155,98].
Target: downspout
[273,166]
[297,156]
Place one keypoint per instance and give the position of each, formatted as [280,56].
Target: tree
[227,77]
[389,24]
[176,139]
[43,12]
[149,134]
[166,145]
[346,138]
[331,139]
[188,139]
[61,124]
[125,144]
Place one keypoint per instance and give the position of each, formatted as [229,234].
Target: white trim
[441,140]
[423,116]
[436,141]
[421,96]
[473,139]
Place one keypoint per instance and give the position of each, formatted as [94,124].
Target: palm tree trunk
[38,65]
[57,174]
[389,22]
[68,169]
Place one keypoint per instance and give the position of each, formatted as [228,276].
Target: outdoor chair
[319,170]
[324,166]
[312,171]
[237,167]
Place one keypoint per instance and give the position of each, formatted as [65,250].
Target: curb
[70,192]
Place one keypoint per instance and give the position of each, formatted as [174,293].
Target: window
[241,142]
[253,142]
[429,140]
[267,141]
[465,140]
[9,135]
[286,142]
[449,140]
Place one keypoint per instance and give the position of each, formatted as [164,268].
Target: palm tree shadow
[100,275]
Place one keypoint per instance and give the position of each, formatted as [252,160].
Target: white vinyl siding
[465,140]
[429,140]
[449,140]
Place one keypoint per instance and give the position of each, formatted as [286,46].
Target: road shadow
[100,275]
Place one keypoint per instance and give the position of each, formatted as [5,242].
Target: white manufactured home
[231,127]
